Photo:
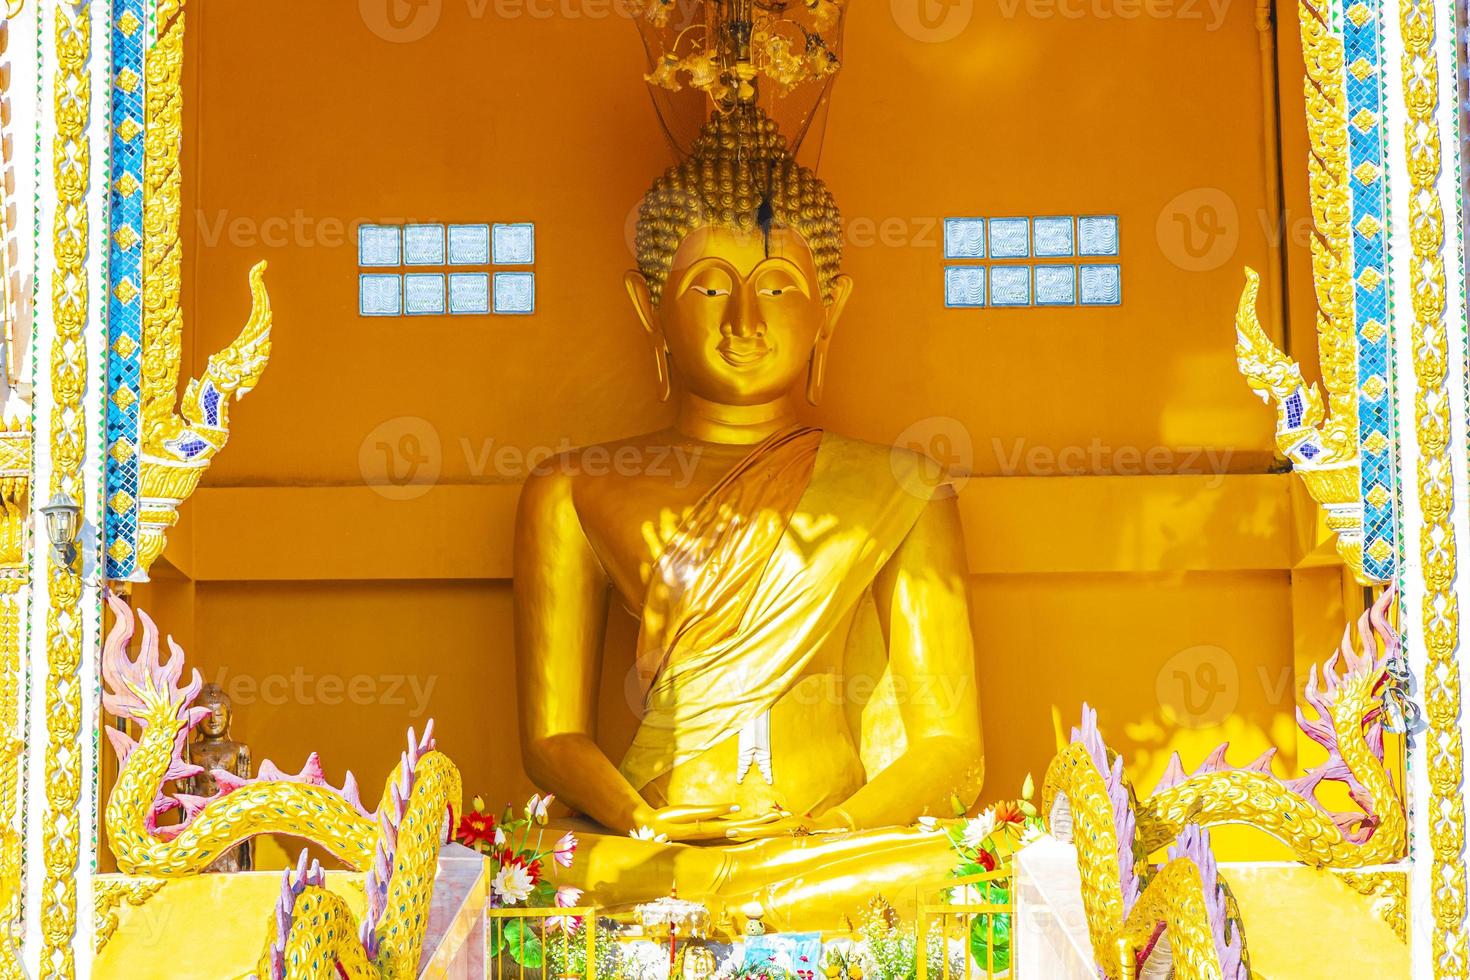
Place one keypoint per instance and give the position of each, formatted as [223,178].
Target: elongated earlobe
[642,298]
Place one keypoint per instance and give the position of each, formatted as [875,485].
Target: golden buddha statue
[805,667]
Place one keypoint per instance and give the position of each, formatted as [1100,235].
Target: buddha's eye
[774,291]
[712,284]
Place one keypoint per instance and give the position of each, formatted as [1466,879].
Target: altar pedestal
[1300,923]
[210,926]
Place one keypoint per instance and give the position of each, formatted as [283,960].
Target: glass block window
[1098,235]
[1010,238]
[1013,262]
[1010,285]
[471,289]
[1056,285]
[515,292]
[964,238]
[1101,285]
[964,285]
[513,244]
[423,293]
[380,295]
[469,244]
[1053,237]
[423,245]
[379,245]
[469,292]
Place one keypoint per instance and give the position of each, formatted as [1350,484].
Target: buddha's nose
[742,316]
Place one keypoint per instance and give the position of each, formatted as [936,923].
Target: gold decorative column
[1439,613]
[69,292]
[15,482]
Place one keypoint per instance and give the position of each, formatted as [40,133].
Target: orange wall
[302,121]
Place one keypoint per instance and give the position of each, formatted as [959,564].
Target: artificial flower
[648,833]
[564,849]
[536,807]
[703,69]
[476,828]
[566,897]
[824,14]
[665,74]
[1008,811]
[500,837]
[977,829]
[513,883]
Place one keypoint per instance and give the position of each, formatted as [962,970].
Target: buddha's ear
[642,297]
[637,286]
[841,291]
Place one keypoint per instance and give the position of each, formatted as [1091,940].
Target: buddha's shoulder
[909,468]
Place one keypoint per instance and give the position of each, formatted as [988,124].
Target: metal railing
[503,964]
[971,922]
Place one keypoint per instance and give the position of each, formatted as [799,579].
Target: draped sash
[755,579]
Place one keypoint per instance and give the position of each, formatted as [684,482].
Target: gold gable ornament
[1322,447]
[179,446]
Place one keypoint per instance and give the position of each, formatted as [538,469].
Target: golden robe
[769,566]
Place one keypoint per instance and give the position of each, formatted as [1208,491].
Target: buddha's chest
[631,518]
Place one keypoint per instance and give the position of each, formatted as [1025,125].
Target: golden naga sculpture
[179,446]
[756,772]
[1086,798]
[1320,440]
[312,933]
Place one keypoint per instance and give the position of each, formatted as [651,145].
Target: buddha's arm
[561,599]
[924,612]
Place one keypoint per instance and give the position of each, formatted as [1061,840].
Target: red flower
[476,828]
[986,859]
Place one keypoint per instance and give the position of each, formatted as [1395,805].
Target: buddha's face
[217,722]
[741,318]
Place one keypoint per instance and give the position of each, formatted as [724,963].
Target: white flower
[512,884]
[978,829]
[648,833]
[965,895]
[499,836]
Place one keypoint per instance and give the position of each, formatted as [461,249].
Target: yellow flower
[824,14]
[665,74]
[704,71]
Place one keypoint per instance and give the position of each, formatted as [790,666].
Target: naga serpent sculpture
[311,933]
[1182,910]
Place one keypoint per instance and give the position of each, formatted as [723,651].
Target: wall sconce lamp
[63,522]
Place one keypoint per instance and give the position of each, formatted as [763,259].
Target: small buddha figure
[805,668]
[214,749]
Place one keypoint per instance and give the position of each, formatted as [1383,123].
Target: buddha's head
[738,282]
[216,724]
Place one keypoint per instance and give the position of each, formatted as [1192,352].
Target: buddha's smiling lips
[743,354]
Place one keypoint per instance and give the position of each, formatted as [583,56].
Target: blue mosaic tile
[1056,285]
[423,293]
[423,245]
[515,292]
[513,244]
[964,238]
[964,286]
[1010,285]
[1010,238]
[469,293]
[469,244]
[1100,285]
[1052,238]
[1097,235]
[124,303]
[380,295]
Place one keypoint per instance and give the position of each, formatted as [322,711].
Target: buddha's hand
[678,823]
[783,823]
